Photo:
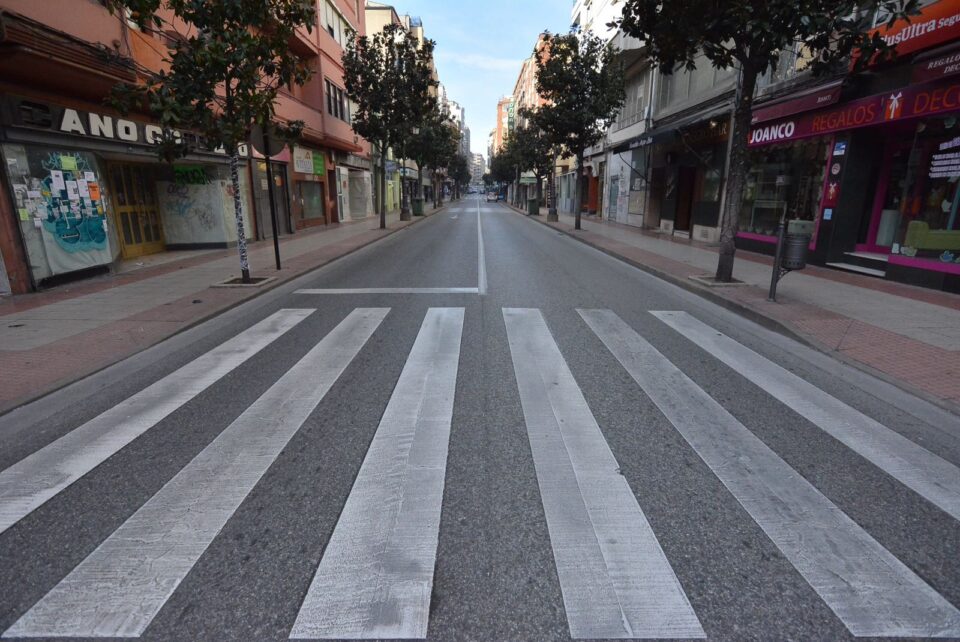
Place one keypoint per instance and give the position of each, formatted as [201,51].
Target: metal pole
[273,206]
[778,257]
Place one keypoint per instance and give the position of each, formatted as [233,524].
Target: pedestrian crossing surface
[374,575]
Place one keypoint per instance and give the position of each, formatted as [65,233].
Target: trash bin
[795,251]
[418,206]
[533,206]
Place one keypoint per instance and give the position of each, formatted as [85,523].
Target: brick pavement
[907,335]
[49,339]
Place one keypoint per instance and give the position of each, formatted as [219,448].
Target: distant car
[492,196]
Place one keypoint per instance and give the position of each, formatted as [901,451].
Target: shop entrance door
[264,224]
[685,198]
[892,192]
[135,213]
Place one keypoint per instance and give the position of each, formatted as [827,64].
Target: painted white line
[912,465]
[615,579]
[376,575]
[34,480]
[871,591]
[481,260]
[388,291]
[119,588]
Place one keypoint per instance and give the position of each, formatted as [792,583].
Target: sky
[480,46]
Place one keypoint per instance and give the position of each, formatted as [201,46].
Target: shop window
[60,203]
[784,180]
[928,194]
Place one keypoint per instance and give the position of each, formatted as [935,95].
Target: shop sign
[823,97]
[940,67]
[32,114]
[307,161]
[302,160]
[901,104]
[935,24]
[707,133]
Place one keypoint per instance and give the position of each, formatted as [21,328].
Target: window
[337,102]
[336,25]
[785,178]
[632,111]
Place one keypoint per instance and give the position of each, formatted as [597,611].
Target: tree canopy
[225,67]
[581,79]
[388,77]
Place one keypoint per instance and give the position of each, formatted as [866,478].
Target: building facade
[82,187]
[870,160]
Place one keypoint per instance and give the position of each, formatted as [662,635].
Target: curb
[254,294]
[756,317]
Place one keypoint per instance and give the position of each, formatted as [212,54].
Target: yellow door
[135,212]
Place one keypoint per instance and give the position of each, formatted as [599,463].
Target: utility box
[418,206]
[533,206]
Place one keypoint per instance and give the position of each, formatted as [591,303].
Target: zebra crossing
[376,573]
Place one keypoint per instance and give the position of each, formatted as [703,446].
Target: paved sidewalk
[49,339]
[907,335]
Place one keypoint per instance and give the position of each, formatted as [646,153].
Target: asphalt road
[501,442]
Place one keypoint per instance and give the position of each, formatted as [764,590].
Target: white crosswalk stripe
[376,575]
[35,479]
[870,590]
[119,588]
[616,580]
[914,466]
[375,579]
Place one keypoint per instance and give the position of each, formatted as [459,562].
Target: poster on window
[59,201]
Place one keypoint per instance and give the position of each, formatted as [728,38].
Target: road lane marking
[615,579]
[481,260]
[119,588]
[37,478]
[376,575]
[387,291]
[912,465]
[870,590]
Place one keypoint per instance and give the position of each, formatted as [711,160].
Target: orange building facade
[81,186]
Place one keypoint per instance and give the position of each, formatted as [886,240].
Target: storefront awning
[813,98]
[669,131]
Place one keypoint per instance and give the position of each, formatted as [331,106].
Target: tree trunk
[539,194]
[383,186]
[578,191]
[552,190]
[404,196]
[516,188]
[736,173]
[238,214]
[420,188]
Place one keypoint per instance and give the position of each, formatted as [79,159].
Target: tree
[752,36]
[502,167]
[222,76]
[459,171]
[388,77]
[536,148]
[581,79]
[434,143]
